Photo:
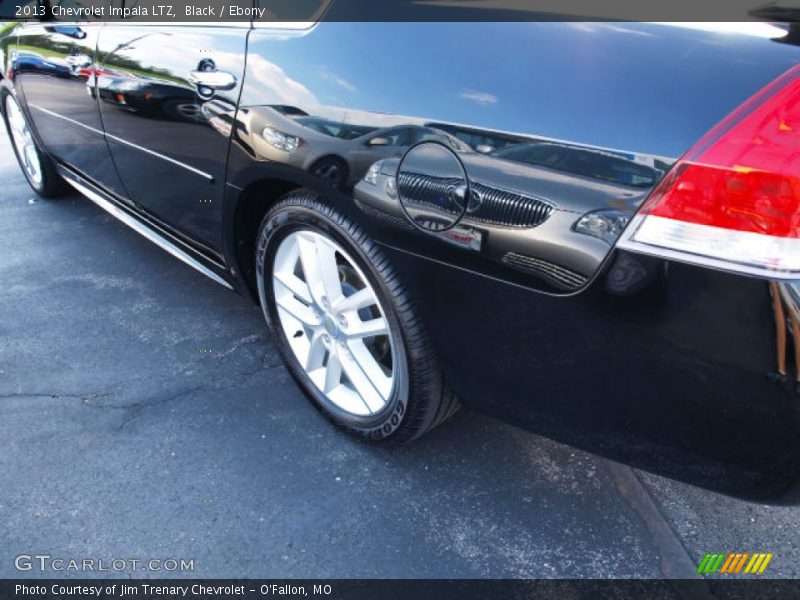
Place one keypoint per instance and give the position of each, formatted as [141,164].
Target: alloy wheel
[23,141]
[334,323]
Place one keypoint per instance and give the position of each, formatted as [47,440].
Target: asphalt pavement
[145,414]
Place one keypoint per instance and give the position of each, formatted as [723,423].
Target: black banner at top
[309,11]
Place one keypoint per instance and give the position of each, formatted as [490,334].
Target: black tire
[51,184]
[425,401]
[332,170]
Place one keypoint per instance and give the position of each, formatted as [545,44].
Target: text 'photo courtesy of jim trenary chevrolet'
[420,299]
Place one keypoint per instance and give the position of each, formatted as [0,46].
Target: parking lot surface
[144,413]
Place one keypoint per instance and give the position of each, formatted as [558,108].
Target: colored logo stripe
[710,563]
[733,562]
[758,563]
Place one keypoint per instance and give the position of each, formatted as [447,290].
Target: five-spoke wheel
[334,322]
[343,323]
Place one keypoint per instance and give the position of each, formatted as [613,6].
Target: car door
[155,94]
[53,66]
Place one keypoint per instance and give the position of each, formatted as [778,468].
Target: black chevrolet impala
[589,230]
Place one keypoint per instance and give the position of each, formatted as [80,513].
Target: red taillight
[733,200]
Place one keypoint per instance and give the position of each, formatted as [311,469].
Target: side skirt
[160,238]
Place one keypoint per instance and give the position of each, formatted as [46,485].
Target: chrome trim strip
[58,116]
[122,141]
[145,231]
[156,154]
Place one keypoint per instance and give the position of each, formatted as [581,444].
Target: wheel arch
[252,189]
[252,203]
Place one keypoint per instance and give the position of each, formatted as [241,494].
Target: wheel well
[253,204]
[338,159]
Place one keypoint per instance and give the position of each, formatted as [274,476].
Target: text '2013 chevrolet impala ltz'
[589,230]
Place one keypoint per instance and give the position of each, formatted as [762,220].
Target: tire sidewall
[278,224]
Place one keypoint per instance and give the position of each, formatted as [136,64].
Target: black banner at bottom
[397,589]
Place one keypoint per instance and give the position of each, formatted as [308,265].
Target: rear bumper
[670,380]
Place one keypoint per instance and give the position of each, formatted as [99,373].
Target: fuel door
[432,186]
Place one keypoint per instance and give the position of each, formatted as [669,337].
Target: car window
[397,137]
[587,163]
[288,110]
[475,138]
[335,129]
[434,135]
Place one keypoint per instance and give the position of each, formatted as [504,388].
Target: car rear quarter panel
[657,365]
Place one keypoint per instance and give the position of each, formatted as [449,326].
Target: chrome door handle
[215,80]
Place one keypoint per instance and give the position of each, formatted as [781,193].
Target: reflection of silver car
[586,162]
[538,220]
[340,153]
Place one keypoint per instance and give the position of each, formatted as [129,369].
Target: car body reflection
[549,210]
[535,313]
[584,162]
[289,111]
[31,62]
[149,97]
[337,152]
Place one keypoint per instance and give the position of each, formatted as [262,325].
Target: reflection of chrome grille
[429,190]
[506,208]
[555,274]
[487,205]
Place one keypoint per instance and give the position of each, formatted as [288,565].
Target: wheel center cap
[330,326]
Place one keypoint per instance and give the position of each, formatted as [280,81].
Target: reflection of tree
[48,45]
[38,42]
[5,28]
[5,40]
[136,68]
[115,60]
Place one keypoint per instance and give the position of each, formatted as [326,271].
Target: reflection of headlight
[372,173]
[391,186]
[606,225]
[282,141]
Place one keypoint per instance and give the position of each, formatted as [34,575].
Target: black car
[618,269]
